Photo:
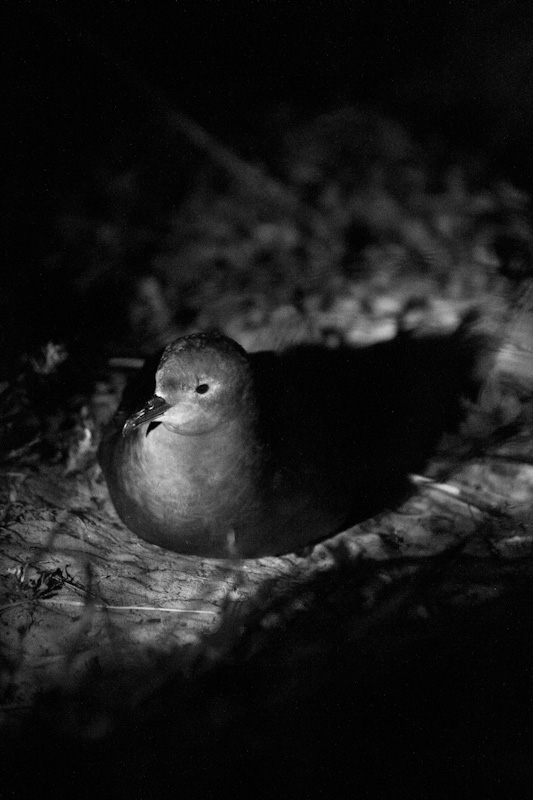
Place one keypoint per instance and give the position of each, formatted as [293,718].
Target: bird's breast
[175,489]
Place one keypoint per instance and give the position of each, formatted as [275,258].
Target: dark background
[85,85]
[460,69]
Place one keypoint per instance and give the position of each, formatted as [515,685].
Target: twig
[105,607]
[461,495]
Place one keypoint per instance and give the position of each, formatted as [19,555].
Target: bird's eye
[202,388]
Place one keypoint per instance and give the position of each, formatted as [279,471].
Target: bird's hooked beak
[153,409]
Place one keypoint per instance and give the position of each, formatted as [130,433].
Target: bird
[221,453]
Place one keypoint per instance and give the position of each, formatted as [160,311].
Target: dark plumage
[262,454]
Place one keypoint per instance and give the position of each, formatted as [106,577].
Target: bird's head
[201,381]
